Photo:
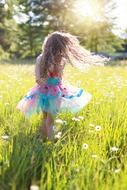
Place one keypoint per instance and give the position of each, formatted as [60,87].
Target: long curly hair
[62,48]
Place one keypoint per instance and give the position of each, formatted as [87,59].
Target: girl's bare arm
[38,78]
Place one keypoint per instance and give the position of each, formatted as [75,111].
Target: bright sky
[84,8]
[121,13]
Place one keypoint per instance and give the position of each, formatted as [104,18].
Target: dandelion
[75,119]
[58,135]
[60,121]
[114,149]
[85,146]
[98,128]
[34,187]
[91,125]
[5,137]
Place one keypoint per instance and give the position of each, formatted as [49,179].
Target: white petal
[5,137]
[91,125]
[34,187]
[59,121]
[114,148]
[85,146]
[81,117]
[98,128]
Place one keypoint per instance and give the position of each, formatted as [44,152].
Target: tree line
[25,23]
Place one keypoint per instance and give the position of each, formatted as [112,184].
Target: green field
[91,153]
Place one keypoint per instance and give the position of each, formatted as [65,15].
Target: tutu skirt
[53,97]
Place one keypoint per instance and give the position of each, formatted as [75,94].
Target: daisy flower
[98,128]
[114,149]
[85,146]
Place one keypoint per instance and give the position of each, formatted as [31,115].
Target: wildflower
[54,127]
[117,170]
[60,121]
[98,128]
[5,137]
[80,117]
[58,135]
[75,119]
[34,187]
[94,156]
[91,125]
[114,148]
[85,146]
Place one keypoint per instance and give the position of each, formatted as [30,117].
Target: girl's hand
[40,81]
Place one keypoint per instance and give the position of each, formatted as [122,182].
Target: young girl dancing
[50,95]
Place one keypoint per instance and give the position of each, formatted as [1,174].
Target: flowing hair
[62,48]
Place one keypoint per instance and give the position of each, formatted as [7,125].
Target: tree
[35,19]
[8,30]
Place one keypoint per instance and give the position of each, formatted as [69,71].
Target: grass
[84,158]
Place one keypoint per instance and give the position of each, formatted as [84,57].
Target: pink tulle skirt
[53,97]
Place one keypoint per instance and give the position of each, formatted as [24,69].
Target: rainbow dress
[53,97]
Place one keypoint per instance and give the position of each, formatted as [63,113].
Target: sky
[121,13]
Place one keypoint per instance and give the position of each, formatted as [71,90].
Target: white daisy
[114,149]
[58,135]
[75,119]
[85,146]
[80,117]
[117,170]
[98,128]
[91,125]
[5,137]
[34,187]
[60,121]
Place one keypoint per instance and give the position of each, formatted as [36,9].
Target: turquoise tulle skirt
[53,97]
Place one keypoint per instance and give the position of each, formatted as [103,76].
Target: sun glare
[85,8]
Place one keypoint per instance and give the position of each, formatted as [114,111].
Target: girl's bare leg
[43,127]
[49,125]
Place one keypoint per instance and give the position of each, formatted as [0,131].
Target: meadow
[91,148]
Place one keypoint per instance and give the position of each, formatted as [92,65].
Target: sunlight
[85,8]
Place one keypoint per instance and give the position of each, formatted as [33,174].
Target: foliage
[8,31]
[35,19]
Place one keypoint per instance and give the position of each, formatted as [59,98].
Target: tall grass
[92,151]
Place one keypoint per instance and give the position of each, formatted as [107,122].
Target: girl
[50,95]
